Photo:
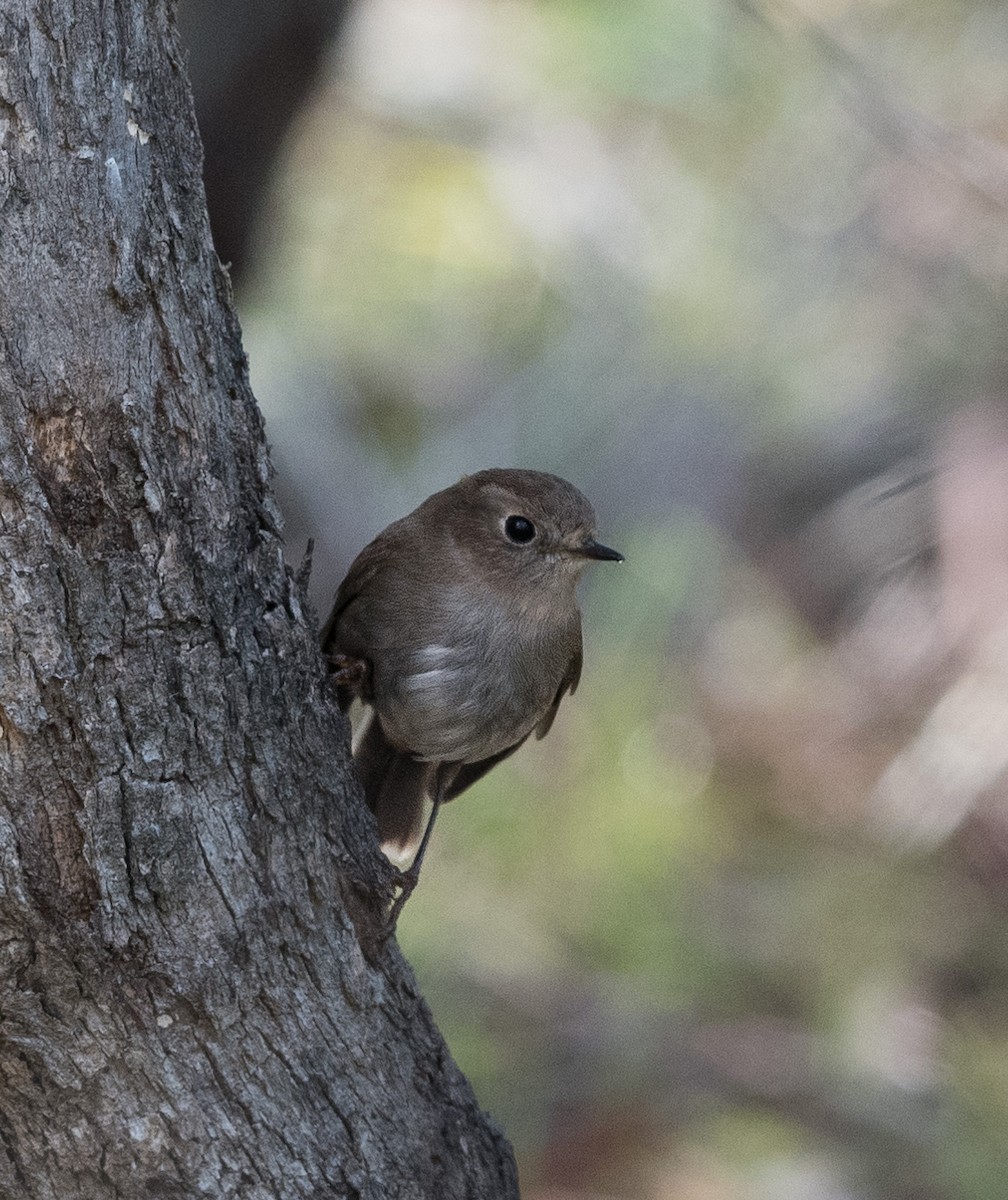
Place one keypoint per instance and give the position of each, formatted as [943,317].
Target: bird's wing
[567,685]
[345,649]
[467,774]
[362,571]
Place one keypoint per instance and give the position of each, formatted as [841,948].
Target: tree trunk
[190,1004]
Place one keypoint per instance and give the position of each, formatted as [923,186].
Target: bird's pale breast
[475,692]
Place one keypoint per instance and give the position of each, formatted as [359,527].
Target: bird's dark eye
[519,529]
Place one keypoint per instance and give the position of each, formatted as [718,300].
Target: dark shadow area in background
[252,64]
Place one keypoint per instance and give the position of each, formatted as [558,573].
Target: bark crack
[211,874]
[9,1141]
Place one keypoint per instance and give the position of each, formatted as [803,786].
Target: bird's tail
[396,787]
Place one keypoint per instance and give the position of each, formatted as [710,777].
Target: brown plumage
[458,628]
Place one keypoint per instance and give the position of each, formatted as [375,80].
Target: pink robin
[459,630]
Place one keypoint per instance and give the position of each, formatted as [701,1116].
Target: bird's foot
[406,882]
[348,673]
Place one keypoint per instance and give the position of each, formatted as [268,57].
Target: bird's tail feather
[396,787]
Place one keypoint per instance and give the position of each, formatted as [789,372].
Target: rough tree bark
[187,1004]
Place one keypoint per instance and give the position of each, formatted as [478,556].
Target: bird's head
[534,528]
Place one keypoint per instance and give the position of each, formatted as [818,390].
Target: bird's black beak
[592,549]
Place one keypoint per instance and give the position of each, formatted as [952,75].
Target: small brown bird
[458,628]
